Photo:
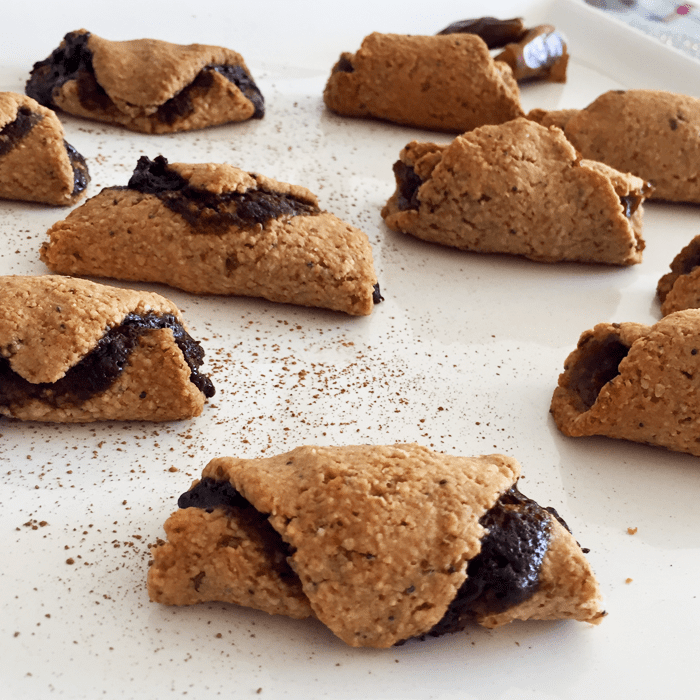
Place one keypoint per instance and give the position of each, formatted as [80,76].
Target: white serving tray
[463,356]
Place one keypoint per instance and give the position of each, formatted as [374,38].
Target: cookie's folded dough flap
[518,188]
[650,133]
[215,229]
[446,83]
[36,162]
[146,85]
[634,382]
[381,544]
[680,289]
[74,351]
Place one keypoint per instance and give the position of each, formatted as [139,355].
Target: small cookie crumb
[631,530]
[628,580]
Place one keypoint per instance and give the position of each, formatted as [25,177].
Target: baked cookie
[653,134]
[517,188]
[635,382]
[215,229]
[146,85]
[444,82]
[538,53]
[680,288]
[379,543]
[73,351]
[36,162]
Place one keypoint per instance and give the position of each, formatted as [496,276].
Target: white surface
[481,337]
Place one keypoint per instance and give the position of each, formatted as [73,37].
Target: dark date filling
[495,32]
[209,494]
[81,176]
[98,370]
[70,61]
[507,569]
[407,184]
[11,134]
[180,105]
[205,211]
[73,61]
[599,364]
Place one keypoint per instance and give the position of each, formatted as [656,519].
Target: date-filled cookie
[381,544]
[680,288]
[215,229]
[635,382]
[73,351]
[446,83]
[36,162]
[146,85]
[517,188]
[652,134]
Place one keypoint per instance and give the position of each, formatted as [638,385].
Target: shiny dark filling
[506,571]
[80,171]
[343,65]
[98,370]
[407,184]
[73,61]
[495,32]
[69,61]
[204,210]
[599,364]
[11,134]
[180,105]
[209,494]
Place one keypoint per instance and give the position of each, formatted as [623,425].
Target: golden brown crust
[448,83]
[311,260]
[650,133]
[49,324]
[519,188]
[650,395]
[680,289]
[141,75]
[379,537]
[37,168]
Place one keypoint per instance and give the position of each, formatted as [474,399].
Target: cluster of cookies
[382,544]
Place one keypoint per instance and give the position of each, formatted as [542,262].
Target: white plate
[463,356]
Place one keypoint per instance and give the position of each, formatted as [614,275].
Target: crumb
[631,530]
[628,580]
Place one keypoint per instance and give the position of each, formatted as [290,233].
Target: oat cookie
[146,85]
[215,229]
[380,543]
[634,382]
[36,162]
[447,83]
[680,288]
[517,188]
[73,351]
[650,133]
